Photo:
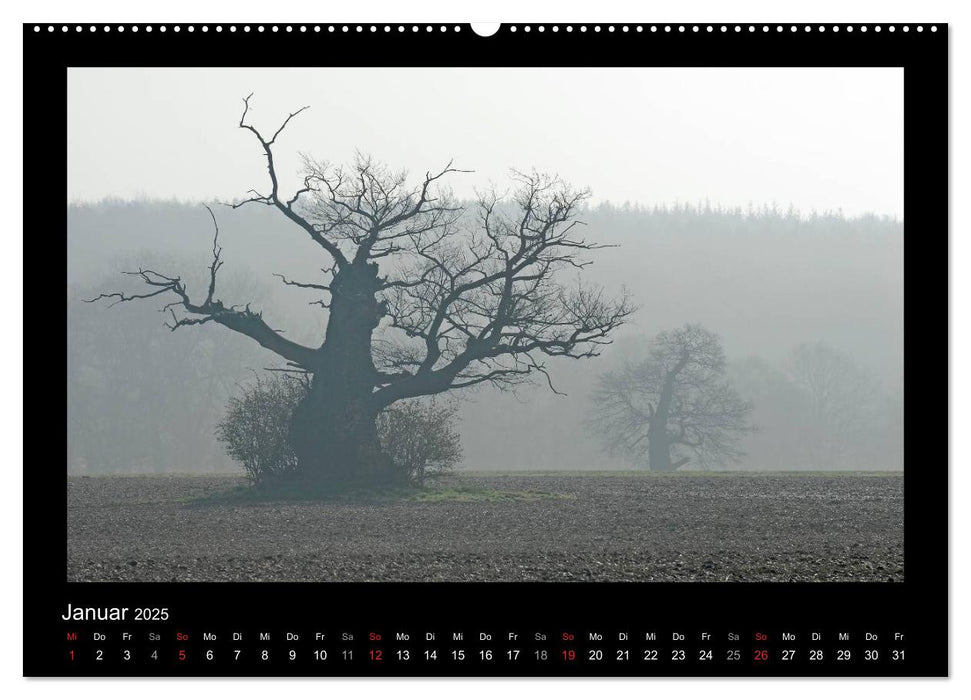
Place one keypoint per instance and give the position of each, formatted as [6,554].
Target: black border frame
[918,606]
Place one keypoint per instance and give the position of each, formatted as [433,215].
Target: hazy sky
[816,138]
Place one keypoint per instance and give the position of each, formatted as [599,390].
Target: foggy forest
[808,308]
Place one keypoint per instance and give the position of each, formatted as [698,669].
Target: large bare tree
[459,296]
[676,400]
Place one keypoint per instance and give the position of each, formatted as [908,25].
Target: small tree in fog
[846,403]
[676,404]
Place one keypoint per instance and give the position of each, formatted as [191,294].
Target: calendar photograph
[485,324]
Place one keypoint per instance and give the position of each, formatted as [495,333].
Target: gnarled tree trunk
[333,429]
[658,441]
[659,450]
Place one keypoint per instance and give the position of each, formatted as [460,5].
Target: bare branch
[273,198]
[492,298]
[242,320]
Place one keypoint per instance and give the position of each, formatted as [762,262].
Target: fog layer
[142,398]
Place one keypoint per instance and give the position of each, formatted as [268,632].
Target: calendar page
[466,350]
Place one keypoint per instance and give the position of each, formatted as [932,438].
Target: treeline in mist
[782,290]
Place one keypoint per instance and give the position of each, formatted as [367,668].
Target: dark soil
[544,527]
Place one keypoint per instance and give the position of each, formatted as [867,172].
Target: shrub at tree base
[418,436]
